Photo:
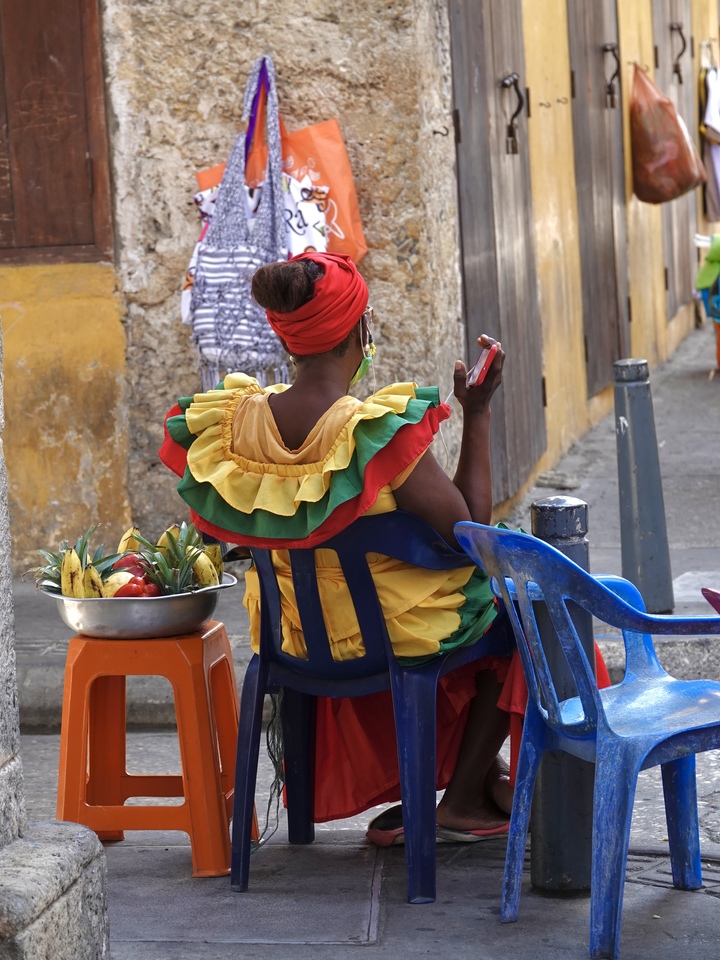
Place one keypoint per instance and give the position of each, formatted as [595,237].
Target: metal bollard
[561,845]
[643,531]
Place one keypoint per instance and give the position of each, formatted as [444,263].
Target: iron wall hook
[676,27]
[610,89]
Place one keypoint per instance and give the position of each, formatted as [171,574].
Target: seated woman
[288,466]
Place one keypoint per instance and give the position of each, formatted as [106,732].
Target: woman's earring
[369,349]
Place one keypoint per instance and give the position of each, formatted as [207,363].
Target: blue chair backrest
[400,535]
[526,571]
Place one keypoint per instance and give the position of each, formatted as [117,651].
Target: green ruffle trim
[370,437]
[476,614]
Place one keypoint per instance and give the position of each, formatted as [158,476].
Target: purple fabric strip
[262,82]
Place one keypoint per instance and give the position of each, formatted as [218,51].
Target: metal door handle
[610,90]
[513,80]
[677,27]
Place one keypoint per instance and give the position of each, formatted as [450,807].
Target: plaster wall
[66,434]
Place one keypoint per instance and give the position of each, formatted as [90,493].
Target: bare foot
[497,785]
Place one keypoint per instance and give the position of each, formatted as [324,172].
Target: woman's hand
[476,399]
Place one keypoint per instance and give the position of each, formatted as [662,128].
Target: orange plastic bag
[664,158]
[319,152]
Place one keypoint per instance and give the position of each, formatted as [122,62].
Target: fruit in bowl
[178,563]
[142,590]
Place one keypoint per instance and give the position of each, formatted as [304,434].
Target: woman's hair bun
[285,286]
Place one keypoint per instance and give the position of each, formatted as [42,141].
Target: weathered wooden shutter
[600,181]
[497,229]
[54,183]
[679,217]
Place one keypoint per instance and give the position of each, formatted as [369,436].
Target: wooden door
[54,180]
[496,223]
[674,74]
[600,182]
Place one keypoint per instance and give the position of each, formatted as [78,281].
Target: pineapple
[170,563]
[48,575]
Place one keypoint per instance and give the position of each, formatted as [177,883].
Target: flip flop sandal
[472,836]
[386,829]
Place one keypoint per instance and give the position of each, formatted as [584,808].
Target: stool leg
[107,747]
[72,767]
[225,708]
[210,831]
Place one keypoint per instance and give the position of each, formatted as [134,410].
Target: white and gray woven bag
[230,329]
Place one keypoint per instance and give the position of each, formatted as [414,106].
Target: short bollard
[643,531]
[561,844]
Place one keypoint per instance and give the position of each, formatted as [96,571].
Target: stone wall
[175,79]
[12,796]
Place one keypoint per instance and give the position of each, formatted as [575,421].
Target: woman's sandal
[472,836]
[386,829]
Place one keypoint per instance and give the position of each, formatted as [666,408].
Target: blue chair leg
[298,725]
[248,748]
[680,789]
[414,703]
[616,773]
[528,765]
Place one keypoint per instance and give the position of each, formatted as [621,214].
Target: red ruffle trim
[171,453]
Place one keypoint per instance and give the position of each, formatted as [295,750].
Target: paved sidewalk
[327,900]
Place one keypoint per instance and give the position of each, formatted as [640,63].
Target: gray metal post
[643,532]
[561,845]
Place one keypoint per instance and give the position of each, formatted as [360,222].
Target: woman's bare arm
[428,491]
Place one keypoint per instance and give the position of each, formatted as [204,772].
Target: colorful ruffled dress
[244,486]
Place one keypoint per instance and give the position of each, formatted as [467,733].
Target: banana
[92,582]
[71,575]
[164,541]
[205,573]
[214,551]
[129,541]
[115,581]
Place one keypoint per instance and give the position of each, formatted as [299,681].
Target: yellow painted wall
[65,434]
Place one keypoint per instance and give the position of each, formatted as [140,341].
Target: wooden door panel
[498,255]
[7,220]
[600,182]
[47,118]
[679,217]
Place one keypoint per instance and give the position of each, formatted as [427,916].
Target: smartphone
[479,371]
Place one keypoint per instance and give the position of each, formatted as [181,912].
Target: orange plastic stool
[93,782]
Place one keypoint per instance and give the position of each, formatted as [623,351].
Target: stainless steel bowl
[136,618]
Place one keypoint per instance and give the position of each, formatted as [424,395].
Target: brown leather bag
[664,159]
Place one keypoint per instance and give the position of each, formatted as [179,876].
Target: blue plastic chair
[404,537]
[649,718]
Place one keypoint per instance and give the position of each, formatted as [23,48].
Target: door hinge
[89,172]
[587,353]
[456,124]
[629,301]
[692,47]
[544,392]
[657,57]
[527,101]
[667,279]
[572,84]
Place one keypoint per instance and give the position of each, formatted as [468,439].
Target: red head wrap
[338,303]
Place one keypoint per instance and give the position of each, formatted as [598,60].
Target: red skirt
[356,763]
